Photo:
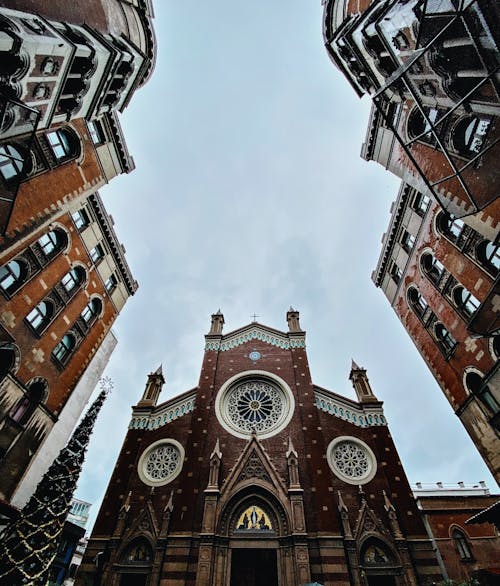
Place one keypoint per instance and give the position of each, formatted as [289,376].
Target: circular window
[351,460]
[259,402]
[161,462]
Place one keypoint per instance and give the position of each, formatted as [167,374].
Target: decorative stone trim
[167,413]
[275,339]
[368,417]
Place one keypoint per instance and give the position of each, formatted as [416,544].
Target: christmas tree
[29,544]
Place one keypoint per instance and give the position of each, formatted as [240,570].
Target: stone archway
[379,563]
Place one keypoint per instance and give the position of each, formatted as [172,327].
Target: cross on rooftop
[254,317]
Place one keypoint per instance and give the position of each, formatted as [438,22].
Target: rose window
[250,405]
[161,462]
[351,460]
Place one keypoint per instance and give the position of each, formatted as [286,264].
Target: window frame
[96,253]
[63,351]
[37,319]
[80,219]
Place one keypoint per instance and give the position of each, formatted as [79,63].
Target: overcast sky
[250,196]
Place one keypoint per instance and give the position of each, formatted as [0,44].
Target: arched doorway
[254,559]
[379,563]
[135,563]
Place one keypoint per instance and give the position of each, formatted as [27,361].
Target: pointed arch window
[63,144]
[488,255]
[91,311]
[465,302]
[432,267]
[27,404]
[416,301]
[476,385]
[461,544]
[11,162]
[64,349]
[40,317]
[451,227]
[73,279]
[52,242]
[445,340]
[13,275]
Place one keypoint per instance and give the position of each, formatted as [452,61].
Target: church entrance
[254,567]
[381,581]
[133,580]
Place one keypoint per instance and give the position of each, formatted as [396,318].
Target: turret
[292,317]
[217,324]
[361,384]
[153,388]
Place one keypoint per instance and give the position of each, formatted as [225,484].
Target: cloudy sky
[250,196]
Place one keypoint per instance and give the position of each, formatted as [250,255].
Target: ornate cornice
[256,332]
[361,416]
[145,418]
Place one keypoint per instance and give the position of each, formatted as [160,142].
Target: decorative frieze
[165,414]
[367,417]
[255,333]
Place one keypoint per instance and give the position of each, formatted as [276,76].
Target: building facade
[432,72]
[441,278]
[61,293]
[258,476]
[466,551]
[66,71]
[431,69]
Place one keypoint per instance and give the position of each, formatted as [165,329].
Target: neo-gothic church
[258,476]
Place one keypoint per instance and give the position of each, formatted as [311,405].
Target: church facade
[258,476]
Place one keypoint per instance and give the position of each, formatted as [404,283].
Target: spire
[361,384]
[29,544]
[154,385]
[292,317]
[217,323]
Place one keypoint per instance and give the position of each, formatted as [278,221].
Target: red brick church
[258,476]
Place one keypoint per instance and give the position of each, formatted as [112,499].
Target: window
[96,132]
[39,317]
[96,253]
[469,135]
[63,143]
[445,340]
[461,544]
[416,301]
[27,404]
[11,162]
[475,384]
[64,349]
[407,241]
[466,303]
[421,203]
[51,242]
[91,310]
[488,254]
[396,273]
[81,219]
[73,278]
[450,226]
[12,275]
[111,283]
[432,267]
[423,128]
